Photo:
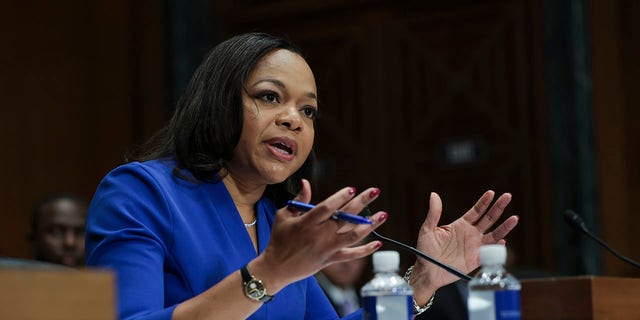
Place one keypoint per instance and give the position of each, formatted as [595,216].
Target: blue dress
[168,240]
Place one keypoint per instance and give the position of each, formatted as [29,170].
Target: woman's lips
[283,148]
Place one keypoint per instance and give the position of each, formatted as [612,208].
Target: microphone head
[574,220]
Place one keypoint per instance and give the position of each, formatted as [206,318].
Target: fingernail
[374,193]
[383,217]
[352,190]
[378,244]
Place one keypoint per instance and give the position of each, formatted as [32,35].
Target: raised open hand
[457,244]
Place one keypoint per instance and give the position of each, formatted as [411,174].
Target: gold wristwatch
[254,289]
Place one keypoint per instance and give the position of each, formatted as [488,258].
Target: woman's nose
[290,119]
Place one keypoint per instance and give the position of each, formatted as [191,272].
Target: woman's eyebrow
[312,96]
[283,86]
[274,81]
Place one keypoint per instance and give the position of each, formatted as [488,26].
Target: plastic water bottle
[387,296]
[493,292]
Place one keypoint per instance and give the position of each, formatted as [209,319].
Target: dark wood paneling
[616,51]
[82,81]
[630,40]
[397,81]
[401,82]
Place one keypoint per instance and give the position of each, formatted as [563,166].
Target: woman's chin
[278,179]
[278,174]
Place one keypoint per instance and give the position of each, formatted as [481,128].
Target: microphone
[576,222]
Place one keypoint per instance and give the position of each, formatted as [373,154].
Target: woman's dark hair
[207,123]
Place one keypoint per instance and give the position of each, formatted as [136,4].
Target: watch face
[255,289]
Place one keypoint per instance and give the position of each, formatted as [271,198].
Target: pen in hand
[338,215]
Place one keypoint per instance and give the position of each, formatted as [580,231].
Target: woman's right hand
[300,245]
[303,244]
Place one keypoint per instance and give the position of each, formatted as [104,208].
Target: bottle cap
[384,261]
[493,254]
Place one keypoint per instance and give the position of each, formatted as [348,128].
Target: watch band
[254,289]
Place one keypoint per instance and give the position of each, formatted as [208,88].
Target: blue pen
[338,215]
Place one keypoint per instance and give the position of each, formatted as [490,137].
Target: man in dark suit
[450,303]
[341,283]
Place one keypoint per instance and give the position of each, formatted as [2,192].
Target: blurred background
[536,98]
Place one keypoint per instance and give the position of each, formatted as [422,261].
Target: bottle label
[498,305]
[387,307]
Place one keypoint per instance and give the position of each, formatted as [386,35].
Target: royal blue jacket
[169,239]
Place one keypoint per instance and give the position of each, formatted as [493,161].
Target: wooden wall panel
[402,84]
[616,53]
[630,39]
[79,89]
[398,83]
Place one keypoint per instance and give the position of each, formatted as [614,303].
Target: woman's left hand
[458,243]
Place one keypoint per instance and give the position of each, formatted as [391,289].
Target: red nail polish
[383,217]
[378,245]
[352,190]
[374,193]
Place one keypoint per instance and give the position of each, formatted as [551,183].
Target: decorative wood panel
[82,82]
[417,98]
[616,51]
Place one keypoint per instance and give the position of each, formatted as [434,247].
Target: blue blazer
[169,239]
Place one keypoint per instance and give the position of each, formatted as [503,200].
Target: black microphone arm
[422,255]
[576,221]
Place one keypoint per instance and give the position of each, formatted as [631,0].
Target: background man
[57,230]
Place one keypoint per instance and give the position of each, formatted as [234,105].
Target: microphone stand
[576,221]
